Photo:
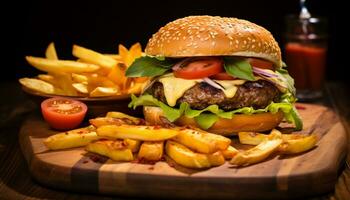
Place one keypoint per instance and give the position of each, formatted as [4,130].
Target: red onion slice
[213,83]
[263,72]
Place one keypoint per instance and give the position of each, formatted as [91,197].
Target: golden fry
[188,158]
[80,78]
[48,78]
[216,159]
[143,133]
[114,114]
[136,88]
[73,138]
[116,57]
[151,151]
[293,146]
[104,91]
[64,81]
[51,52]
[114,149]
[134,53]
[81,87]
[292,143]
[60,66]
[133,145]
[259,152]
[229,153]
[251,138]
[201,141]
[117,75]
[93,57]
[38,85]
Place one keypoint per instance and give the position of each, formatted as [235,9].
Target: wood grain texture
[311,173]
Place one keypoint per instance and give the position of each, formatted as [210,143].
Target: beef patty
[257,94]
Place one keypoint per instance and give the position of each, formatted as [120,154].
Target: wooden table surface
[15,180]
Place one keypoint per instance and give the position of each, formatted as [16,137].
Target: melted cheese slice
[174,87]
[230,86]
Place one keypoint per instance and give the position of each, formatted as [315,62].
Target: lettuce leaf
[149,67]
[284,75]
[240,68]
[208,116]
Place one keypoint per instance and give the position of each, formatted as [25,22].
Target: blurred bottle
[305,53]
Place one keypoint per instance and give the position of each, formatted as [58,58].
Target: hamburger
[220,74]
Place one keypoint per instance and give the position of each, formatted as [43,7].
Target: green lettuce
[205,118]
[149,67]
[238,67]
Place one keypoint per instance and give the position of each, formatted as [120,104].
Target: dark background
[101,25]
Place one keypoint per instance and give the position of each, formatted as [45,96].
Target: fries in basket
[93,74]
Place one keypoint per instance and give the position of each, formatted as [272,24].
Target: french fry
[48,78]
[292,143]
[80,78]
[116,57]
[102,121]
[134,145]
[134,52]
[293,146]
[188,158]
[96,80]
[37,85]
[114,149]
[93,57]
[65,82]
[259,152]
[129,56]
[70,139]
[81,87]
[135,88]
[229,153]
[251,138]
[117,75]
[123,52]
[59,66]
[104,91]
[123,115]
[151,151]
[201,141]
[216,159]
[50,52]
[143,133]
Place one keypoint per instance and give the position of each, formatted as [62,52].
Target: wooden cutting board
[314,172]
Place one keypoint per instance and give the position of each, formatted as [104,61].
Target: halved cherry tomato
[199,68]
[260,63]
[63,113]
[222,76]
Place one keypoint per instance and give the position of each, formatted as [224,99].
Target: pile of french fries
[121,137]
[92,75]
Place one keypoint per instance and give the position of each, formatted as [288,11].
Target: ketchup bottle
[305,55]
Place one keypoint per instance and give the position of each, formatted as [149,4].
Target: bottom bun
[240,122]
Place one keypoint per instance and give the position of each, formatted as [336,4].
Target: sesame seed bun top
[214,36]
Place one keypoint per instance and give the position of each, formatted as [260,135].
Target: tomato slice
[260,63]
[199,67]
[222,76]
[63,113]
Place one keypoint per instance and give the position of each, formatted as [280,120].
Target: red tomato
[259,63]
[199,68]
[223,76]
[63,113]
